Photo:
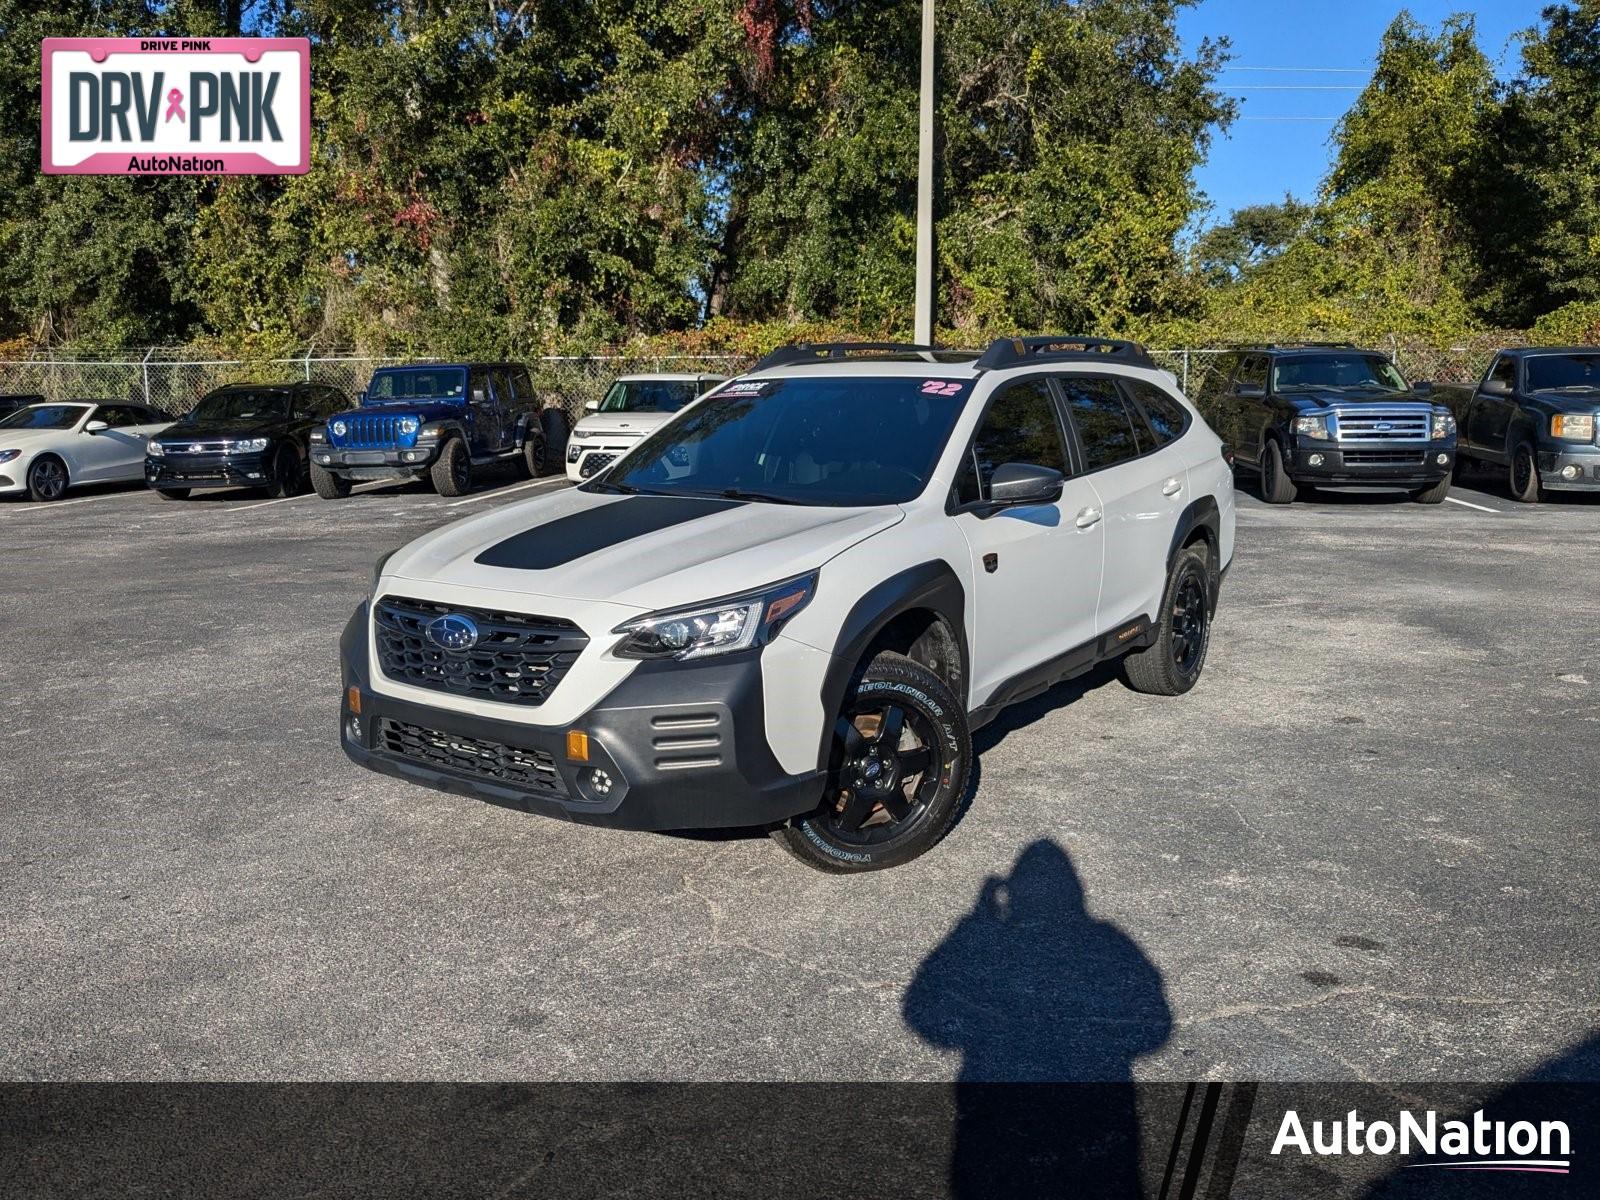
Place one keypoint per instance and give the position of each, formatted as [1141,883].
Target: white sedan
[47,448]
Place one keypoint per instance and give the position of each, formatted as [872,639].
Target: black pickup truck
[1536,415]
[1305,414]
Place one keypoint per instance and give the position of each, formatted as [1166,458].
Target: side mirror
[96,427]
[591,406]
[1024,483]
[1424,386]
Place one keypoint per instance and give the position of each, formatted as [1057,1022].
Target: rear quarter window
[1168,419]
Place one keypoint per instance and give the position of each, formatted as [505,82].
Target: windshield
[829,441]
[244,405]
[1337,371]
[1555,372]
[417,383]
[648,395]
[45,416]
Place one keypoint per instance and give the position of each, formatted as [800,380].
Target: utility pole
[925,273]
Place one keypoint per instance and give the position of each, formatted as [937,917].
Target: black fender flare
[1201,513]
[933,585]
[451,428]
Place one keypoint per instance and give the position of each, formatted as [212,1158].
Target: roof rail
[1063,347]
[1298,346]
[799,353]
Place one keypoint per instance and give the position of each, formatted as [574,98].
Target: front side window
[1564,373]
[828,440]
[1504,371]
[1337,372]
[417,383]
[648,395]
[1106,428]
[119,416]
[45,416]
[1020,427]
[1252,373]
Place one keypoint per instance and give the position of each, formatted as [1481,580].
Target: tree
[1252,235]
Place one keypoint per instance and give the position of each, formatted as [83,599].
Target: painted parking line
[1470,504]
[532,483]
[33,506]
[375,484]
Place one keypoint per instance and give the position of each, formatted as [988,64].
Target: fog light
[1570,472]
[1442,459]
[600,782]
[1315,460]
[324,459]
[412,456]
[352,729]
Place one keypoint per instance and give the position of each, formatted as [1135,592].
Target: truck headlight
[1573,427]
[1312,427]
[153,449]
[1443,425]
[248,445]
[409,425]
[721,627]
[339,428]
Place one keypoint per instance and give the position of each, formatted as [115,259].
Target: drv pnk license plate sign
[176,106]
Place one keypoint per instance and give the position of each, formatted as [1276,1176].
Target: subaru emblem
[453,632]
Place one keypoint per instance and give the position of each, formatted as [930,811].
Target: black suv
[250,435]
[1303,414]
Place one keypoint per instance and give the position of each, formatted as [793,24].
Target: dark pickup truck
[1306,414]
[1536,415]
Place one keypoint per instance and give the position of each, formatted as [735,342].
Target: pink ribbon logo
[175,105]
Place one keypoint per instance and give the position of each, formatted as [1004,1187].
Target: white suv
[634,405]
[791,605]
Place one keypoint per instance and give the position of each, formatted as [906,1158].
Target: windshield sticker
[751,387]
[941,387]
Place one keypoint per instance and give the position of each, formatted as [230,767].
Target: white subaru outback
[792,604]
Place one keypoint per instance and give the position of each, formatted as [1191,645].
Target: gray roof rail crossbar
[814,352]
[1064,347]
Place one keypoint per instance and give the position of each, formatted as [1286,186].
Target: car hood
[645,552]
[200,431]
[423,410]
[1331,398]
[31,439]
[629,423]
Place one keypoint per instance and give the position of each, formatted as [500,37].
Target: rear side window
[1167,418]
[521,389]
[1107,430]
[1020,427]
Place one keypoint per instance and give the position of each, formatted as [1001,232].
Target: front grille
[1394,425]
[478,758]
[371,431]
[595,463]
[517,659]
[1383,458]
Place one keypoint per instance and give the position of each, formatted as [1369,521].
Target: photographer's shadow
[1031,988]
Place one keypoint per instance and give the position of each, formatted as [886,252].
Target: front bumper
[592,457]
[1412,465]
[216,470]
[400,460]
[1571,468]
[683,744]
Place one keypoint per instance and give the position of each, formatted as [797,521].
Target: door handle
[1171,487]
[1088,517]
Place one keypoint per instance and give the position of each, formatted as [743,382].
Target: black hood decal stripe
[567,539]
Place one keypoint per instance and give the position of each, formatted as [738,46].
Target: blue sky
[1258,160]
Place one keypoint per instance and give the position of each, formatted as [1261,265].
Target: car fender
[1201,513]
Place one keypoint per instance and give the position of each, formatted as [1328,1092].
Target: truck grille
[478,758]
[517,659]
[1383,458]
[1394,425]
[595,463]
[371,432]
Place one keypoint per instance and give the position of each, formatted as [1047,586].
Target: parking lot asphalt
[1364,847]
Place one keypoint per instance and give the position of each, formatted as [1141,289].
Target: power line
[1296,87]
[1320,70]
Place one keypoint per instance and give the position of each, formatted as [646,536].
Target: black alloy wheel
[886,775]
[1189,618]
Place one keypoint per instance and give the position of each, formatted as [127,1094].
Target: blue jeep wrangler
[439,421]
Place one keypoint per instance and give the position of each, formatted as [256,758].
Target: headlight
[8,455]
[1443,425]
[247,446]
[1573,427]
[1312,427]
[409,425]
[718,628]
[339,428]
[574,452]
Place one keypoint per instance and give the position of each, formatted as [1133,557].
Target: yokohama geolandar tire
[452,470]
[1276,486]
[1434,493]
[1523,477]
[328,485]
[901,758]
[1173,664]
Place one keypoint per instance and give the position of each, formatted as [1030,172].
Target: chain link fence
[174,382]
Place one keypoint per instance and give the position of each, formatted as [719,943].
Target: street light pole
[925,275]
